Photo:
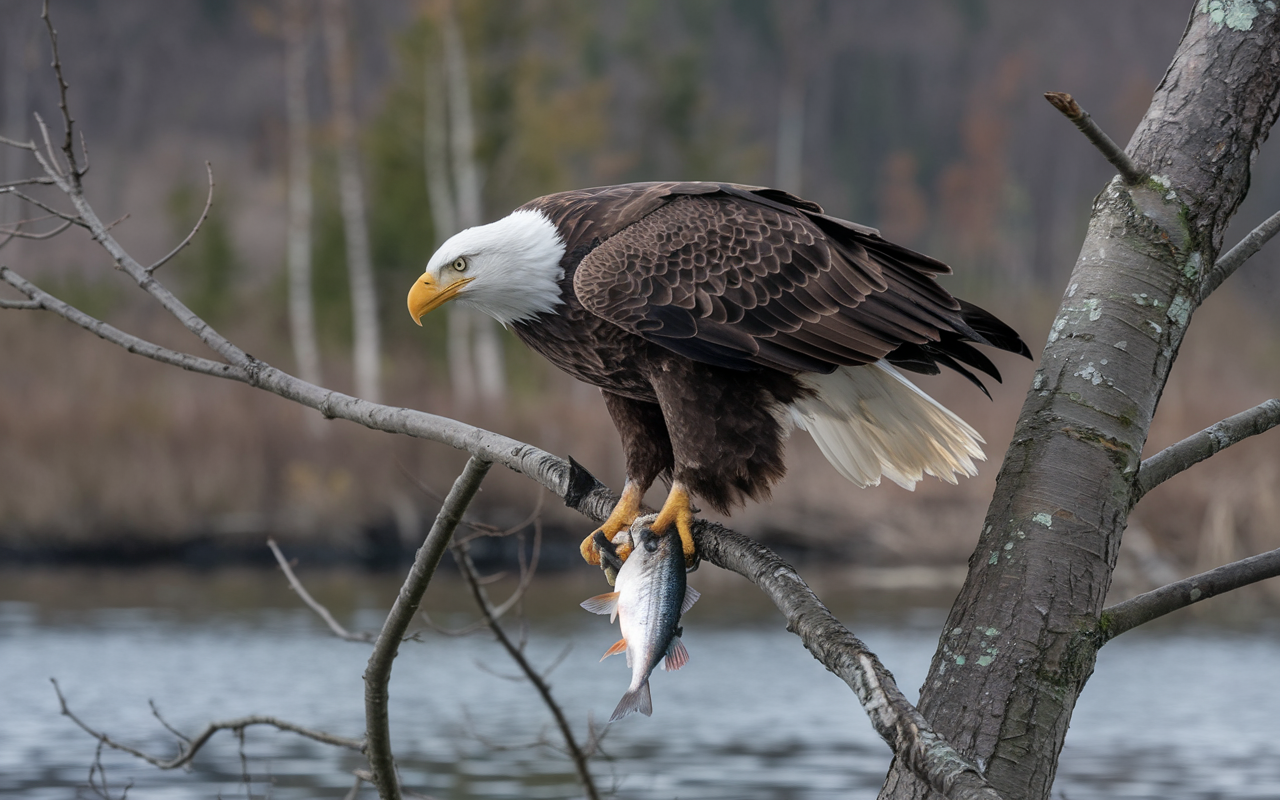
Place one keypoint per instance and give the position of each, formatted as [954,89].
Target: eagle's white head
[509,269]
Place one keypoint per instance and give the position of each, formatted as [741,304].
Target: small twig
[1156,603]
[468,568]
[45,207]
[156,713]
[1236,256]
[208,203]
[68,123]
[30,305]
[16,233]
[37,181]
[112,334]
[378,673]
[354,791]
[1109,149]
[51,163]
[186,754]
[15,143]
[1192,450]
[312,603]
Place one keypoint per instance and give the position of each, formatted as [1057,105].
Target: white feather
[870,421]
[514,265]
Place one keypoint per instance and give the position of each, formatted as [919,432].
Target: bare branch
[1236,256]
[18,233]
[1156,603]
[155,712]
[15,143]
[354,791]
[20,304]
[912,739]
[468,568]
[312,603]
[37,181]
[208,203]
[49,160]
[116,336]
[1109,149]
[188,751]
[68,143]
[378,674]
[1192,450]
[44,206]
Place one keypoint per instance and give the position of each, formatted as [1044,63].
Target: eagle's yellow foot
[676,511]
[624,513]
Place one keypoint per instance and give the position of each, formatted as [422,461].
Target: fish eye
[651,545]
[459,264]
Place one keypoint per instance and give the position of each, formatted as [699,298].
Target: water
[1183,710]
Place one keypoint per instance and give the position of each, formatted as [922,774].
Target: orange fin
[603,604]
[677,655]
[619,646]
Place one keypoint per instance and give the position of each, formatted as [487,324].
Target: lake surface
[1181,710]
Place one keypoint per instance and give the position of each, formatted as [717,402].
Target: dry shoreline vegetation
[149,460]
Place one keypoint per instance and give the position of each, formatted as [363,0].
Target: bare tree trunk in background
[490,371]
[444,212]
[302,326]
[1023,635]
[792,19]
[364,297]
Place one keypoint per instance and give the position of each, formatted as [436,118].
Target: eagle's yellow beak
[427,295]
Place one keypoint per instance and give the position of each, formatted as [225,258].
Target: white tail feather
[870,421]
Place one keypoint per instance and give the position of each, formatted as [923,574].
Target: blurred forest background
[924,118]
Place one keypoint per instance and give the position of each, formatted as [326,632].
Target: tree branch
[463,556]
[378,673]
[1192,450]
[1126,616]
[312,603]
[904,729]
[68,143]
[129,342]
[1236,256]
[1109,149]
[187,749]
[208,204]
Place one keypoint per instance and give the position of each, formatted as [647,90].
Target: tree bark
[1014,656]
[302,326]
[367,350]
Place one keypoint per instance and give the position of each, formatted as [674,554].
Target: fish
[651,595]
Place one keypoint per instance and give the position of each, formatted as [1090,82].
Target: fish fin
[691,596]
[637,700]
[603,604]
[677,655]
[619,646]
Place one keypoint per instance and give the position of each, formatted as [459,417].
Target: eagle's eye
[459,264]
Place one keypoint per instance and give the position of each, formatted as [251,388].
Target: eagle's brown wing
[745,278]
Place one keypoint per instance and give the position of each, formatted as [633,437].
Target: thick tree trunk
[1012,658]
[367,350]
[302,327]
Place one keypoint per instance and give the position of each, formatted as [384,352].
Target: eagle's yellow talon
[624,513]
[676,511]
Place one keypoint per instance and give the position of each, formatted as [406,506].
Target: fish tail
[634,700]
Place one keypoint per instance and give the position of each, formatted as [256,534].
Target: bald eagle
[713,317]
